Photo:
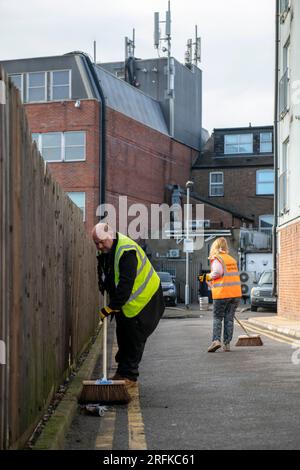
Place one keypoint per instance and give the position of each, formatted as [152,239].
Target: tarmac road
[188,399]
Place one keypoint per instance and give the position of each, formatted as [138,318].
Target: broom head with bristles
[106,392]
[252,340]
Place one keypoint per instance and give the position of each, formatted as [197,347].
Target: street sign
[188,246]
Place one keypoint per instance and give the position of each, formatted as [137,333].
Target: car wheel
[253,309]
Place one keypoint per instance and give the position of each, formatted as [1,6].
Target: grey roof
[130,101]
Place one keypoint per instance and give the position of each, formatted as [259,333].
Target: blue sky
[237,44]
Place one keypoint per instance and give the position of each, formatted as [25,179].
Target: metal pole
[187,300]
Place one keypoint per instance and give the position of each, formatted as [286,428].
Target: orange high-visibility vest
[229,285]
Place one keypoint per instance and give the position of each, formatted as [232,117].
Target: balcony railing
[251,239]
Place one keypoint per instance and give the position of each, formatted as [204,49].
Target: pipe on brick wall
[102,126]
[276,153]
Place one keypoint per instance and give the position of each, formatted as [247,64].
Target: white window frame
[238,144]
[261,182]
[63,146]
[84,206]
[27,87]
[22,83]
[69,84]
[260,142]
[84,145]
[216,184]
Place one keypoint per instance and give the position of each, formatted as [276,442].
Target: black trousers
[132,334]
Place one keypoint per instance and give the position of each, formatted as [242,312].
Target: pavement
[189,399]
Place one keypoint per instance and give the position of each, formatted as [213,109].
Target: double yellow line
[136,430]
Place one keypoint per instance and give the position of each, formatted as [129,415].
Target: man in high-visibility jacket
[226,290]
[135,296]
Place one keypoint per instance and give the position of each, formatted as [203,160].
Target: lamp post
[188,185]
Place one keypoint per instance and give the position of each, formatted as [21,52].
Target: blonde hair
[218,246]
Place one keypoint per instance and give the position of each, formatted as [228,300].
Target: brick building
[66,97]
[235,175]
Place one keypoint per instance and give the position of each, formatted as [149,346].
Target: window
[51,146]
[285,80]
[216,184]
[74,146]
[79,200]
[266,223]
[17,80]
[264,182]
[60,85]
[266,142]
[36,86]
[61,146]
[283,179]
[238,143]
[284,6]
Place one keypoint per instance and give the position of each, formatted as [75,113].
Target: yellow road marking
[272,335]
[104,441]
[136,430]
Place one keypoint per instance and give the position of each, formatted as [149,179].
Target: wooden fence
[48,292]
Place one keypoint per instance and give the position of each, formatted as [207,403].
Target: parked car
[262,294]
[169,288]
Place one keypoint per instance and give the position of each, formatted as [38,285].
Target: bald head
[103,236]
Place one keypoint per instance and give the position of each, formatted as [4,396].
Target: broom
[248,340]
[104,391]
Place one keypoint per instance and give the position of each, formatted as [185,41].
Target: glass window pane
[74,138]
[266,147]
[265,188]
[216,177]
[60,78]
[246,138]
[51,153]
[36,79]
[231,149]
[60,92]
[36,94]
[231,139]
[266,137]
[51,139]
[245,148]
[265,176]
[35,136]
[74,153]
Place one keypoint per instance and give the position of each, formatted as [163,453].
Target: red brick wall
[288,275]
[239,191]
[73,176]
[140,160]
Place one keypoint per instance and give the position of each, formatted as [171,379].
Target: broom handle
[242,326]
[105,341]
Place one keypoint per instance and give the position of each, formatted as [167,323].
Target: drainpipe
[275,293]
[102,125]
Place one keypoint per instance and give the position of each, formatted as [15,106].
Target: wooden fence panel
[48,290]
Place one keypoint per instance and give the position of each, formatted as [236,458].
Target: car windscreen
[165,277]
[266,278]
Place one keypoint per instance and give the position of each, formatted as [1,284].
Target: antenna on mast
[170,64]
[189,58]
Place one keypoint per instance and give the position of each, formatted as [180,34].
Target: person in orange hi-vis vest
[226,290]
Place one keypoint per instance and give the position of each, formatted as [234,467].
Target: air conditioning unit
[173,254]
[247,282]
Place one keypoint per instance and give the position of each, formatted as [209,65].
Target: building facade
[288,164]
[65,112]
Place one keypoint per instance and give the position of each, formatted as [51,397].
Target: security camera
[77,104]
